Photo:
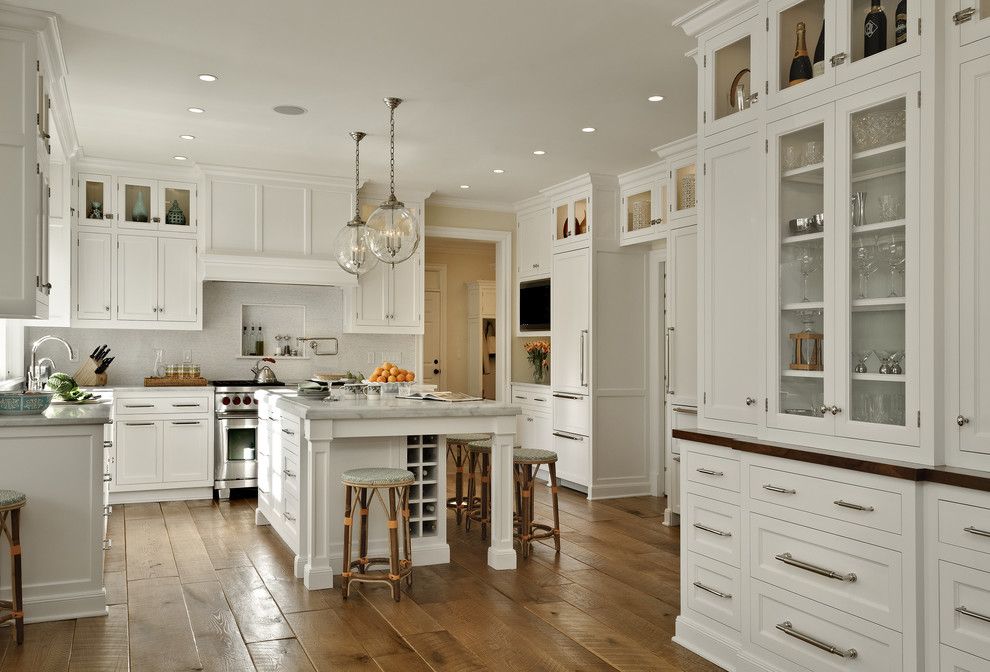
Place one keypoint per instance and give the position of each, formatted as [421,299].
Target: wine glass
[864,258]
[809,263]
[892,253]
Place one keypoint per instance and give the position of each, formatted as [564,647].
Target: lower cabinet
[279,471]
[139,452]
[573,457]
[183,446]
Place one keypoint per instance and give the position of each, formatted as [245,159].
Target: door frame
[503,292]
[656,399]
[442,270]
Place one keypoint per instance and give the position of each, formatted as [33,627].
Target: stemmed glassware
[865,261]
[861,359]
[892,253]
[809,263]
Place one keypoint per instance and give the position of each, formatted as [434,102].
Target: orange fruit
[392,379]
[401,378]
[410,377]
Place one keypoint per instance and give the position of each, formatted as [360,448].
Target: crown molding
[682,146]
[709,14]
[528,205]
[286,177]
[469,204]
[96,164]
[580,182]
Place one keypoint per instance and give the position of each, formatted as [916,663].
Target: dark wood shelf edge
[963,478]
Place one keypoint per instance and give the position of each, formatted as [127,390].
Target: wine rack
[425,460]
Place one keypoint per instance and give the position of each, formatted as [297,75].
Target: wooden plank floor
[197,586]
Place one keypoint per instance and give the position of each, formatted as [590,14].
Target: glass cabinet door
[874,36]
[572,218]
[137,201]
[802,226]
[877,207]
[972,19]
[177,205]
[95,202]
[638,205]
[732,79]
[684,199]
[801,40]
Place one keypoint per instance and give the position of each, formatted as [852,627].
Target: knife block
[86,375]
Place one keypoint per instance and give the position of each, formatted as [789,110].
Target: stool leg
[15,586]
[486,491]
[556,511]
[393,545]
[345,574]
[363,496]
[526,508]
[469,511]
[459,482]
[407,546]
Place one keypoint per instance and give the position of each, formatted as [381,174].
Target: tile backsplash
[218,346]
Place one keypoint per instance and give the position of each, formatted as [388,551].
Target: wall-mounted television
[534,305]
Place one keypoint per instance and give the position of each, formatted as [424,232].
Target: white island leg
[501,554]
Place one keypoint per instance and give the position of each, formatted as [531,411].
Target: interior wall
[466,261]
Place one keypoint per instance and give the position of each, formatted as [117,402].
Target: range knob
[248,400]
[237,401]
[225,401]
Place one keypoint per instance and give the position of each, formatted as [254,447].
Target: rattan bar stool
[11,503]
[526,461]
[363,485]
[479,455]
[457,449]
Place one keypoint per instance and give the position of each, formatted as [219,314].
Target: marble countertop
[62,414]
[388,407]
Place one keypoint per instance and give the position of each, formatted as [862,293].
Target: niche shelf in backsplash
[274,320]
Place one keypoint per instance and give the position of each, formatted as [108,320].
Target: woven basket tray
[175,382]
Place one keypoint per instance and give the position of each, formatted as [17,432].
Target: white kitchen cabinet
[139,452]
[177,206]
[388,299]
[732,57]
[533,242]
[661,197]
[732,286]
[571,216]
[682,317]
[406,295]
[137,277]
[137,203]
[570,308]
[184,458]
[644,208]
[534,426]
[93,275]
[95,199]
[573,457]
[972,19]
[178,286]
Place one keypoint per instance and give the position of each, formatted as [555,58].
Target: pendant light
[350,247]
[393,228]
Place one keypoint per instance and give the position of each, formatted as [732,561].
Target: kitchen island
[57,460]
[305,444]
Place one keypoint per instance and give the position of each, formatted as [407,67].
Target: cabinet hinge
[37,66]
[766,404]
[37,281]
[37,168]
[919,418]
[919,25]
[704,397]
[704,169]
[768,24]
[704,61]
[37,119]
[766,86]
[919,98]
[704,116]
[766,146]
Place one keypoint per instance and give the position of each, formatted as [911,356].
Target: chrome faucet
[34,379]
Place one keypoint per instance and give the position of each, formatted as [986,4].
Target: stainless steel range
[236,462]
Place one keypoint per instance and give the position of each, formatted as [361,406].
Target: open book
[440,396]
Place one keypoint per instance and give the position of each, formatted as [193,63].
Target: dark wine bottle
[800,64]
[900,23]
[875,30]
[818,62]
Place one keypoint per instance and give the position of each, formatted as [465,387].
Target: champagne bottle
[818,62]
[875,30]
[800,65]
[900,23]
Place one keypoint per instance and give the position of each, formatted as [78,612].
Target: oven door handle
[226,423]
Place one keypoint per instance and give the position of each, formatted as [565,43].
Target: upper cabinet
[733,77]
[136,203]
[533,240]
[972,18]
[660,197]
[571,216]
[96,205]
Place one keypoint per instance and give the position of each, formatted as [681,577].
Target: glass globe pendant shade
[393,232]
[351,249]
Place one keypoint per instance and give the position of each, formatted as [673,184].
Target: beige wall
[465,261]
[437,215]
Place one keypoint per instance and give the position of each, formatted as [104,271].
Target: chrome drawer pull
[850,505]
[685,411]
[712,530]
[139,405]
[185,405]
[710,472]
[973,614]
[977,531]
[717,593]
[789,630]
[568,435]
[572,397]
[777,488]
[788,559]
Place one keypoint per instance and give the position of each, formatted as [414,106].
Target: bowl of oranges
[390,379]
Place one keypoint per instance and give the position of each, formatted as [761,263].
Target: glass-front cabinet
[733,77]
[843,205]
[572,219]
[177,205]
[644,211]
[95,203]
[138,201]
[683,177]
[973,20]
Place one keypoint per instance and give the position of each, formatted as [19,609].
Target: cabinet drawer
[964,525]
[291,423]
[713,590]
[161,406]
[291,516]
[849,575]
[954,660]
[818,637]
[713,528]
[720,472]
[291,474]
[870,507]
[964,608]
[264,475]
[572,413]
[535,400]
[136,406]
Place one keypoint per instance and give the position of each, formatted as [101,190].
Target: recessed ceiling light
[206,77]
[185,136]
[465,186]
[588,129]
[655,99]
[498,171]
[180,158]
[197,110]
[291,110]
[539,152]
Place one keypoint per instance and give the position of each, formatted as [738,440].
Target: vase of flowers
[538,353]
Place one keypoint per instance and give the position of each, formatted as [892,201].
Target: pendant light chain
[357,175]
[391,159]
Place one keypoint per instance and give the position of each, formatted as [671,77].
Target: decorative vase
[175,215]
[95,210]
[538,372]
[139,213]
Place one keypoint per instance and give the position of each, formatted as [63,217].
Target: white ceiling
[485,84]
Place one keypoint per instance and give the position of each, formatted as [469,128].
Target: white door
[570,318]
[526,233]
[973,19]
[433,330]
[371,297]
[95,203]
[178,288]
[177,206]
[186,450]
[139,452]
[733,287]
[406,292]
[94,266]
[974,250]
[137,278]
[137,203]
[682,316]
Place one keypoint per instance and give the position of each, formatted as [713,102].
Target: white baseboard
[711,646]
[750,663]
[617,490]
[166,495]
[671,519]
[64,607]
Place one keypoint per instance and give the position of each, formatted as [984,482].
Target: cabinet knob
[962,420]
[156,220]
[106,308]
[823,409]
[835,410]
[47,286]
[750,401]
[838,59]
[154,309]
[107,215]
